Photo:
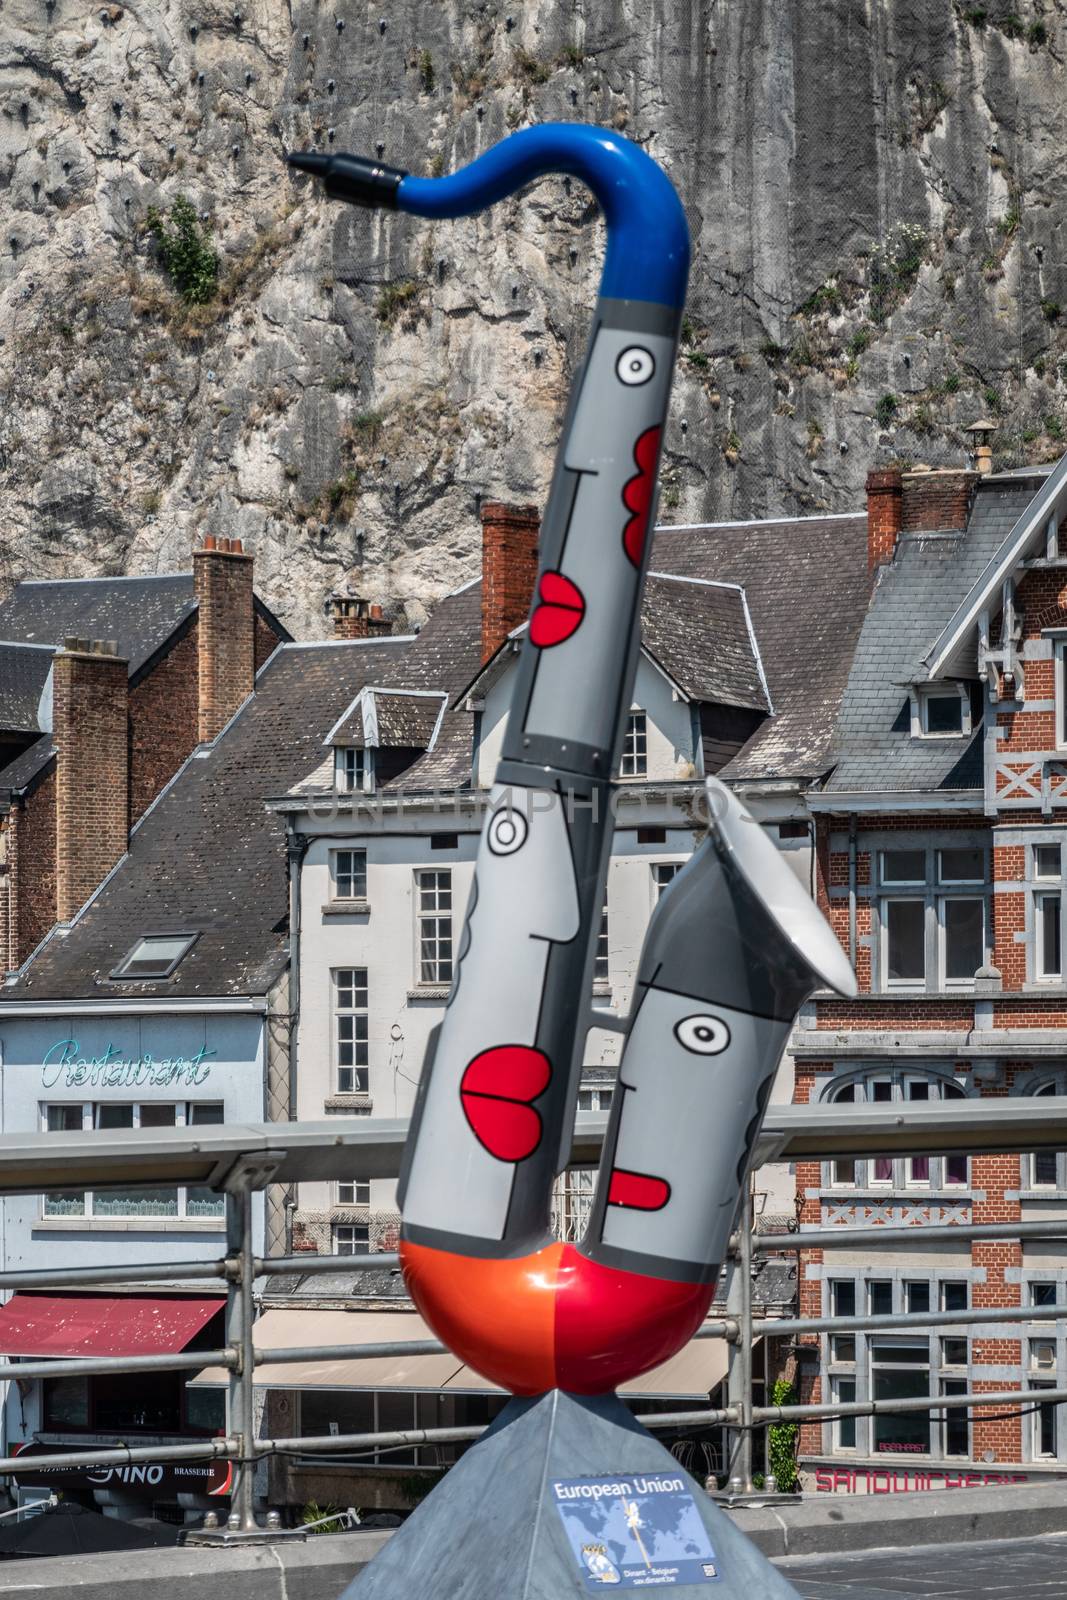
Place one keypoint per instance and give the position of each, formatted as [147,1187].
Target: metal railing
[241,1160]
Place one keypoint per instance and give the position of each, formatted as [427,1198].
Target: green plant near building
[782,1440]
[427,75]
[186,252]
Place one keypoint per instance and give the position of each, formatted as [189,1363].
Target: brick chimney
[354,618]
[937,500]
[90,726]
[885,513]
[509,569]
[222,579]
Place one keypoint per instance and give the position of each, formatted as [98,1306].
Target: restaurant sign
[66,1064]
[156,1480]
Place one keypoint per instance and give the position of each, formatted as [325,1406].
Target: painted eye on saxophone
[732,950]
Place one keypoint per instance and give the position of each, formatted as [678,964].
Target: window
[917,1296]
[843,1297]
[1047,867]
[954,1352]
[844,1428]
[931,911]
[652,836]
[596,1098]
[154,956]
[634,763]
[663,873]
[900,1370]
[1042,1355]
[793,830]
[444,841]
[912,1172]
[955,1427]
[601,970]
[1046,1427]
[1048,921]
[348,874]
[1048,861]
[1042,1294]
[350,1030]
[943,712]
[880,1297]
[434,891]
[141,1200]
[1046,1167]
[954,1297]
[354,1193]
[351,1238]
[152,1402]
[349,769]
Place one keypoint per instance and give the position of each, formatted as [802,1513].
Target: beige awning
[692,1374]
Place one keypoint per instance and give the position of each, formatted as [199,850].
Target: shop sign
[155,1480]
[65,1065]
[884,1480]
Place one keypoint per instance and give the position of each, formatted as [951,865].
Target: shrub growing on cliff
[185,251]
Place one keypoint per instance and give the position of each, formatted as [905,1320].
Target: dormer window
[941,711]
[634,763]
[350,769]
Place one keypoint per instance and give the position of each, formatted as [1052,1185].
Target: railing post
[739,1372]
[247,1176]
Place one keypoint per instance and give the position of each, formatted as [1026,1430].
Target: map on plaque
[636,1532]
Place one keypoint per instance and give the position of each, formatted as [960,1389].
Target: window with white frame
[1061,693]
[1046,861]
[1046,1169]
[941,712]
[601,969]
[873,1364]
[354,1192]
[663,873]
[351,1048]
[902,1172]
[574,1190]
[634,762]
[350,769]
[931,911]
[433,894]
[348,874]
[351,1238]
[142,1200]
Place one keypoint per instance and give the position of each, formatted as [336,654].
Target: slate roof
[140,613]
[913,599]
[208,856]
[699,633]
[807,589]
[24,674]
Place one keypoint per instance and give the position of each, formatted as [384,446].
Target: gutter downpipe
[296,844]
[852,890]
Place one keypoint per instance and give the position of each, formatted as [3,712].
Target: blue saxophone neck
[647,255]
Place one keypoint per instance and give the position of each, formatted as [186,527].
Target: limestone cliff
[876,191]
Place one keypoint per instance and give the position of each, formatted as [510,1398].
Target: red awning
[100,1325]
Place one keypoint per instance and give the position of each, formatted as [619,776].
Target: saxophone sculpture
[734,945]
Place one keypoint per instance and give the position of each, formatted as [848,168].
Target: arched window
[913,1087]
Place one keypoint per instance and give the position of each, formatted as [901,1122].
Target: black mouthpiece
[354,178]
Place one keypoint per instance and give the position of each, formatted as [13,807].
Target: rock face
[876,192]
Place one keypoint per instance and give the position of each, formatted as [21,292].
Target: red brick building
[106,686]
[941,838]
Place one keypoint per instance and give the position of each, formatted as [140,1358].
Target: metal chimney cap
[982,428]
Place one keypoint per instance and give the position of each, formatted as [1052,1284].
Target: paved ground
[1032,1569]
